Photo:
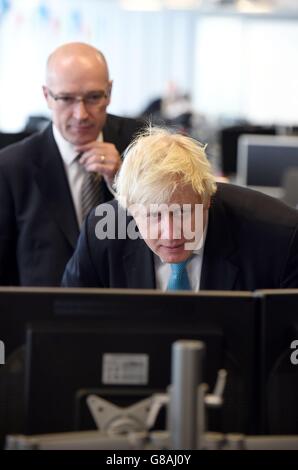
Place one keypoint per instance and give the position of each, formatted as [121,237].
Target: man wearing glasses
[50,181]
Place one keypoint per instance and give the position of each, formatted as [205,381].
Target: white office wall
[218,66]
[272,72]
[247,68]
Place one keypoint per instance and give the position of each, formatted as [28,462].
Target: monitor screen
[18,307]
[262,161]
[279,371]
[228,140]
[118,344]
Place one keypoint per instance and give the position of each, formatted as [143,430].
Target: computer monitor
[20,306]
[279,370]
[262,161]
[118,342]
[228,141]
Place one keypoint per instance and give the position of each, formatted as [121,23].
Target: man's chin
[75,134]
[174,255]
[81,138]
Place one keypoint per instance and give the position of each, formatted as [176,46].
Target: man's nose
[171,228]
[79,110]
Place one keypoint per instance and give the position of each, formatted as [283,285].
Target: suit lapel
[139,267]
[219,268]
[52,182]
[111,131]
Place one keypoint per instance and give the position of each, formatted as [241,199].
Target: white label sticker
[125,369]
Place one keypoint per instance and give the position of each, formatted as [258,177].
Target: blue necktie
[179,278]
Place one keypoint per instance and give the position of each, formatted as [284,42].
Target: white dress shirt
[193,268]
[75,172]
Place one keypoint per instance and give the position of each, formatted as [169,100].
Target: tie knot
[178,268]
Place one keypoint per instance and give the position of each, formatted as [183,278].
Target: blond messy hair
[157,163]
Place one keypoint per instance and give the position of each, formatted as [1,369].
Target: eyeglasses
[94,98]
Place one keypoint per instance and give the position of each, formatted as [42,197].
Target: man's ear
[207,203]
[45,91]
[46,95]
[110,86]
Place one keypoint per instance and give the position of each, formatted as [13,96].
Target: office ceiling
[233,6]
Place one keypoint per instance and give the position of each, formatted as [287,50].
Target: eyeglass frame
[77,99]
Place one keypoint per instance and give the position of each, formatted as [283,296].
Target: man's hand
[100,157]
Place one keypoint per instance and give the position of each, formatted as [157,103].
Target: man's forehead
[185,194]
[79,91]
[80,87]
[71,75]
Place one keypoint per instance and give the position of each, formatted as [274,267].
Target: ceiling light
[141,5]
[182,4]
[254,6]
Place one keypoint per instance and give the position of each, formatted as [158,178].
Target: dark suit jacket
[38,224]
[251,243]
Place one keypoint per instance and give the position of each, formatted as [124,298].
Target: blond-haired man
[173,227]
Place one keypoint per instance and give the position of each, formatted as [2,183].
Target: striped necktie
[91,194]
[179,278]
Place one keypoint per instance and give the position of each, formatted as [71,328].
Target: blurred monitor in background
[228,141]
[36,123]
[262,161]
